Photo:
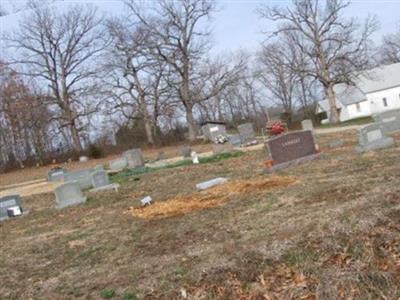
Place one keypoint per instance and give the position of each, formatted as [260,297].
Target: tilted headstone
[10,206]
[118,164]
[211,183]
[56,175]
[235,140]
[247,134]
[83,177]
[307,125]
[390,121]
[69,194]
[372,137]
[134,157]
[100,178]
[212,130]
[291,148]
[185,151]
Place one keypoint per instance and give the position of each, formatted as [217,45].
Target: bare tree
[130,66]
[337,49]
[390,50]
[278,76]
[61,48]
[179,42]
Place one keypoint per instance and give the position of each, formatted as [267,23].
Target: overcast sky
[237,26]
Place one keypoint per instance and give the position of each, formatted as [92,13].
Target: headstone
[212,130]
[195,157]
[185,151]
[291,148]
[247,134]
[83,177]
[99,179]
[56,175]
[222,148]
[372,137]
[390,121]
[134,157]
[235,140]
[118,164]
[83,159]
[69,194]
[10,206]
[307,125]
[210,183]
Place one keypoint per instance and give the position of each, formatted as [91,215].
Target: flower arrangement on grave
[221,139]
[275,128]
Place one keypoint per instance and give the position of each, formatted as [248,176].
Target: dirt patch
[213,197]
[31,189]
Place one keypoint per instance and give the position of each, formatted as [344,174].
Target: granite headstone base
[292,163]
[382,143]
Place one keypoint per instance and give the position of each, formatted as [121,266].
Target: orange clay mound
[212,197]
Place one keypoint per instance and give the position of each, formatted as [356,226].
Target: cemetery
[250,210]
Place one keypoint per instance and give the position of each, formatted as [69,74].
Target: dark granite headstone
[291,147]
[8,202]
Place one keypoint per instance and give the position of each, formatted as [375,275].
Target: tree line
[72,72]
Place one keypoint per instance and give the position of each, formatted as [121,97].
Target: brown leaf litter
[212,197]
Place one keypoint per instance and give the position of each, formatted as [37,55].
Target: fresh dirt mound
[213,197]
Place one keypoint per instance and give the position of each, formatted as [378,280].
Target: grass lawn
[327,229]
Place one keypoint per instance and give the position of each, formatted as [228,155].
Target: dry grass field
[327,229]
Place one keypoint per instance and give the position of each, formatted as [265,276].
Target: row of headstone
[70,193]
[376,135]
[130,159]
[10,206]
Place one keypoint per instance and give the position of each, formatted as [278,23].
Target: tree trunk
[191,123]
[148,130]
[334,113]
[75,138]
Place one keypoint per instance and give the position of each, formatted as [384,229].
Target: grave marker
[211,130]
[10,206]
[307,125]
[56,175]
[118,164]
[247,134]
[291,148]
[134,157]
[83,177]
[100,178]
[69,194]
[372,137]
[389,120]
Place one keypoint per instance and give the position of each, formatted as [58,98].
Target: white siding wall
[392,97]
[365,110]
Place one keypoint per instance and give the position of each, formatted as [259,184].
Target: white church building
[376,91]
